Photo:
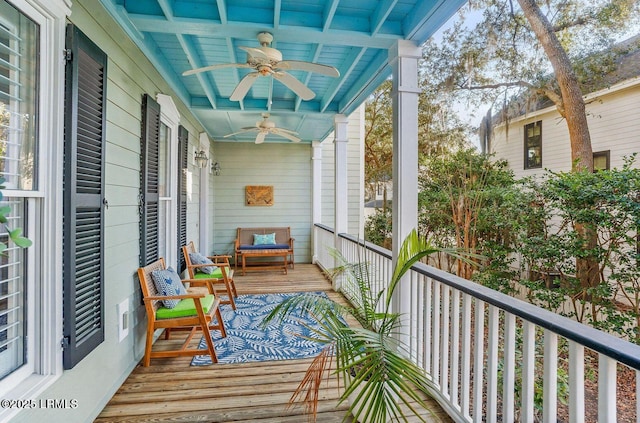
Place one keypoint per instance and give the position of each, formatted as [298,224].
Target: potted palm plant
[380,383]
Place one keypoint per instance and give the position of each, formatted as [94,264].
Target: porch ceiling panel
[352,35]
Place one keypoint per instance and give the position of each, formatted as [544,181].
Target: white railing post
[576,383]
[606,389]
[509,369]
[550,385]
[492,366]
[465,394]
[478,367]
[528,372]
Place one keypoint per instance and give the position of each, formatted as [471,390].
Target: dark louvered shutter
[183,151]
[83,265]
[149,180]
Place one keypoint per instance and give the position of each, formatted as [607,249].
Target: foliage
[474,204]
[492,56]
[369,358]
[607,203]
[525,234]
[439,131]
[15,235]
[377,228]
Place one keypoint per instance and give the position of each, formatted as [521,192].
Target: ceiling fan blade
[285,134]
[214,67]
[294,85]
[308,66]
[254,52]
[260,137]
[243,87]
[288,131]
[242,131]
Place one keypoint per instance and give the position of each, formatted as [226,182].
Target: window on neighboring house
[601,160]
[19,114]
[533,145]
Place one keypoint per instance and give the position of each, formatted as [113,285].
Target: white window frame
[44,212]
[170,116]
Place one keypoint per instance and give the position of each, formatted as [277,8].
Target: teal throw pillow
[266,239]
[168,283]
[197,258]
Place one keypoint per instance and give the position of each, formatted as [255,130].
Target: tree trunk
[573,110]
[572,107]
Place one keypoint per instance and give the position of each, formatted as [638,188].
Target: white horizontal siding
[614,125]
[285,166]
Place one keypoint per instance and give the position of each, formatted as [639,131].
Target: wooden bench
[279,245]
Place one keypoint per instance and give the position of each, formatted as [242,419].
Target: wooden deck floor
[171,390]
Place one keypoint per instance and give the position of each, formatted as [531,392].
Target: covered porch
[173,390]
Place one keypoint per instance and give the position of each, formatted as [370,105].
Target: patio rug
[246,341]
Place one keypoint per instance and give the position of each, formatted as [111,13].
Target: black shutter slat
[85,118]
[183,160]
[149,180]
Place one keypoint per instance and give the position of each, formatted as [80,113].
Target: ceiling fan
[268,61]
[265,127]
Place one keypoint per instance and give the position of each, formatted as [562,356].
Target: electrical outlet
[122,311]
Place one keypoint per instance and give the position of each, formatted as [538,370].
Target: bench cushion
[185,308]
[265,247]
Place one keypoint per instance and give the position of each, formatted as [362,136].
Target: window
[601,160]
[533,145]
[164,177]
[19,54]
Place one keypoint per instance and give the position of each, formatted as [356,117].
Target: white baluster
[509,369]
[576,382]
[550,381]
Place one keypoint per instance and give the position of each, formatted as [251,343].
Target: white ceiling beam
[348,66]
[213,29]
[380,14]
[329,13]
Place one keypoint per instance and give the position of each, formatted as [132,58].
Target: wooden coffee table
[264,265]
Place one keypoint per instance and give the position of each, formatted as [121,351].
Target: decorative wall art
[259,195]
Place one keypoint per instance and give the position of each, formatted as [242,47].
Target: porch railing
[532,365]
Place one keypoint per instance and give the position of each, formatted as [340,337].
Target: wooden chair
[222,275]
[196,311]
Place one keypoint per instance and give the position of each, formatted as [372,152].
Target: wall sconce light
[216,168]
[201,159]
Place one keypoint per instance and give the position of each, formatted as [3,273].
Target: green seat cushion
[185,308]
[217,274]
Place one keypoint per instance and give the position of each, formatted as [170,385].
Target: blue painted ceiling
[353,36]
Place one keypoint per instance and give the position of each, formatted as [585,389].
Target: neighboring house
[80,164]
[100,133]
[384,191]
[538,139]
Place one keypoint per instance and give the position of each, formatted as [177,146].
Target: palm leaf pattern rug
[247,341]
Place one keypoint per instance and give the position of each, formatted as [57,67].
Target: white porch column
[341,197]
[203,218]
[404,59]
[316,193]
